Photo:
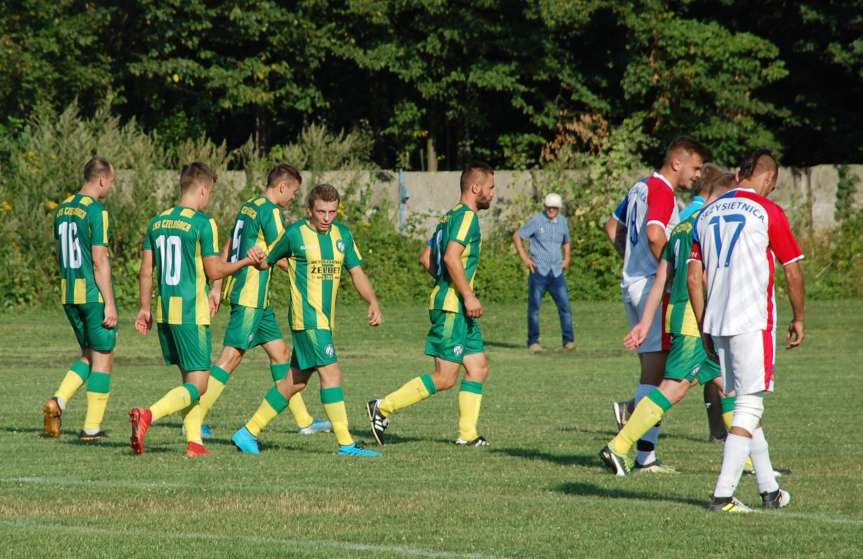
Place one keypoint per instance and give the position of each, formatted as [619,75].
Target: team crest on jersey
[330,350]
[340,245]
[458,350]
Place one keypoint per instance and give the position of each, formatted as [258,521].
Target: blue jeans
[556,286]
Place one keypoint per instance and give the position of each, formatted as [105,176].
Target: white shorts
[634,299]
[747,361]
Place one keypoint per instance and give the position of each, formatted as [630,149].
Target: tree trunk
[431,155]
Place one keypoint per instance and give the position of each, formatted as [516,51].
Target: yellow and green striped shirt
[680,318]
[460,225]
[259,223]
[180,238]
[315,262]
[80,223]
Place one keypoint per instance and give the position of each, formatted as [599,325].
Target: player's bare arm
[519,247]
[567,255]
[616,232]
[215,296]
[364,288]
[695,283]
[796,295]
[216,268]
[452,261]
[639,332]
[656,239]
[282,264]
[426,262]
[102,275]
[144,319]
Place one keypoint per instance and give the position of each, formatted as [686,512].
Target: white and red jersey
[737,238]
[650,200]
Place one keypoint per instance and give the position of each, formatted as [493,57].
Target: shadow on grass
[591,490]
[561,459]
[670,435]
[507,345]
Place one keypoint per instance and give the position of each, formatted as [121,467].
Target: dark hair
[325,192]
[282,172]
[195,172]
[470,171]
[687,144]
[97,167]
[757,162]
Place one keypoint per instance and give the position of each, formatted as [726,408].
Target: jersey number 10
[169,258]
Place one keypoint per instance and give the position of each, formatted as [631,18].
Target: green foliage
[45,167]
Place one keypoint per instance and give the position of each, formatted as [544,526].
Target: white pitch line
[405,550]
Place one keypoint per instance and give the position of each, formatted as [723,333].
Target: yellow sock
[333,400]
[175,400]
[98,391]
[274,404]
[415,390]
[728,403]
[193,419]
[469,402]
[74,379]
[301,413]
[646,414]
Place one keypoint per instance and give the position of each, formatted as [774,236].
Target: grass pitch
[538,491]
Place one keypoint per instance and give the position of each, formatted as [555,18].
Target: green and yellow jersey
[180,238]
[460,225]
[315,262]
[679,318]
[80,223]
[259,223]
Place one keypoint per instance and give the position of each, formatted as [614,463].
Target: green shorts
[452,336]
[250,327]
[312,349]
[187,345]
[86,321]
[687,361]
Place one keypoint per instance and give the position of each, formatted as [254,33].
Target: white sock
[760,455]
[734,456]
[61,402]
[646,456]
[91,431]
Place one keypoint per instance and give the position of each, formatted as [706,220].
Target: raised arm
[102,275]
[216,268]
[364,288]
[215,296]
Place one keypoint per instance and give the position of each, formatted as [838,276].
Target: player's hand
[473,306]
[375,316]
[636,336]
[214,299]
[110,316]
[795,334]
[144,321]
[709,349]
[256,255]
[531,265]
[565,264]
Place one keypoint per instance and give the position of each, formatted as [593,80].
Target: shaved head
[758,162]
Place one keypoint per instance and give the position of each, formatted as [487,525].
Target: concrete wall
[807,193]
